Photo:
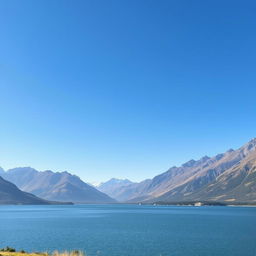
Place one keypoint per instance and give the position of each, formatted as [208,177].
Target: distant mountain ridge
[218,178]
[59,186]
[113,187]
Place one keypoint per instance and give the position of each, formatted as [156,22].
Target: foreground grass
[22,254]
[55,253]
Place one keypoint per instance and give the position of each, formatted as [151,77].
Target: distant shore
[185,203]
[204,203]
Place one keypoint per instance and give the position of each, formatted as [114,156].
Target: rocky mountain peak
[190,163]
[249,147]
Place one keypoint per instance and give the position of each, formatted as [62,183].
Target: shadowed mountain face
[60,186]
[10,194]
[228,176]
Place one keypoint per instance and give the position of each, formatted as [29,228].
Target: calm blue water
[131,230]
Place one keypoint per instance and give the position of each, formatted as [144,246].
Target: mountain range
[55,186]
[226,177]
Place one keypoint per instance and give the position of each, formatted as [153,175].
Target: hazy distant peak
[113,186]
[94,183]
[48,171]
[119,180]
[66,172]
[116,181]
[22,169]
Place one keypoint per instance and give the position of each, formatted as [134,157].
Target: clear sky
[124,88]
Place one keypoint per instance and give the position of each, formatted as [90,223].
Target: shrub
[8,249]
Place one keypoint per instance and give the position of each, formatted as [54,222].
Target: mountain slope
[185,182]
[236,184]
[10,194]
[60,186]
[175,177]
[215,181]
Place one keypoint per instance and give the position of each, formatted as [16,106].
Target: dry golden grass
[55,253]
[68,253]
[22,254]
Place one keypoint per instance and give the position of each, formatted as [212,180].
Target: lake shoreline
[192,204]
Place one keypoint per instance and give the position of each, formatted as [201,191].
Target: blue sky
[124,88]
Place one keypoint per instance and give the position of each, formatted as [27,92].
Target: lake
[131,230]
